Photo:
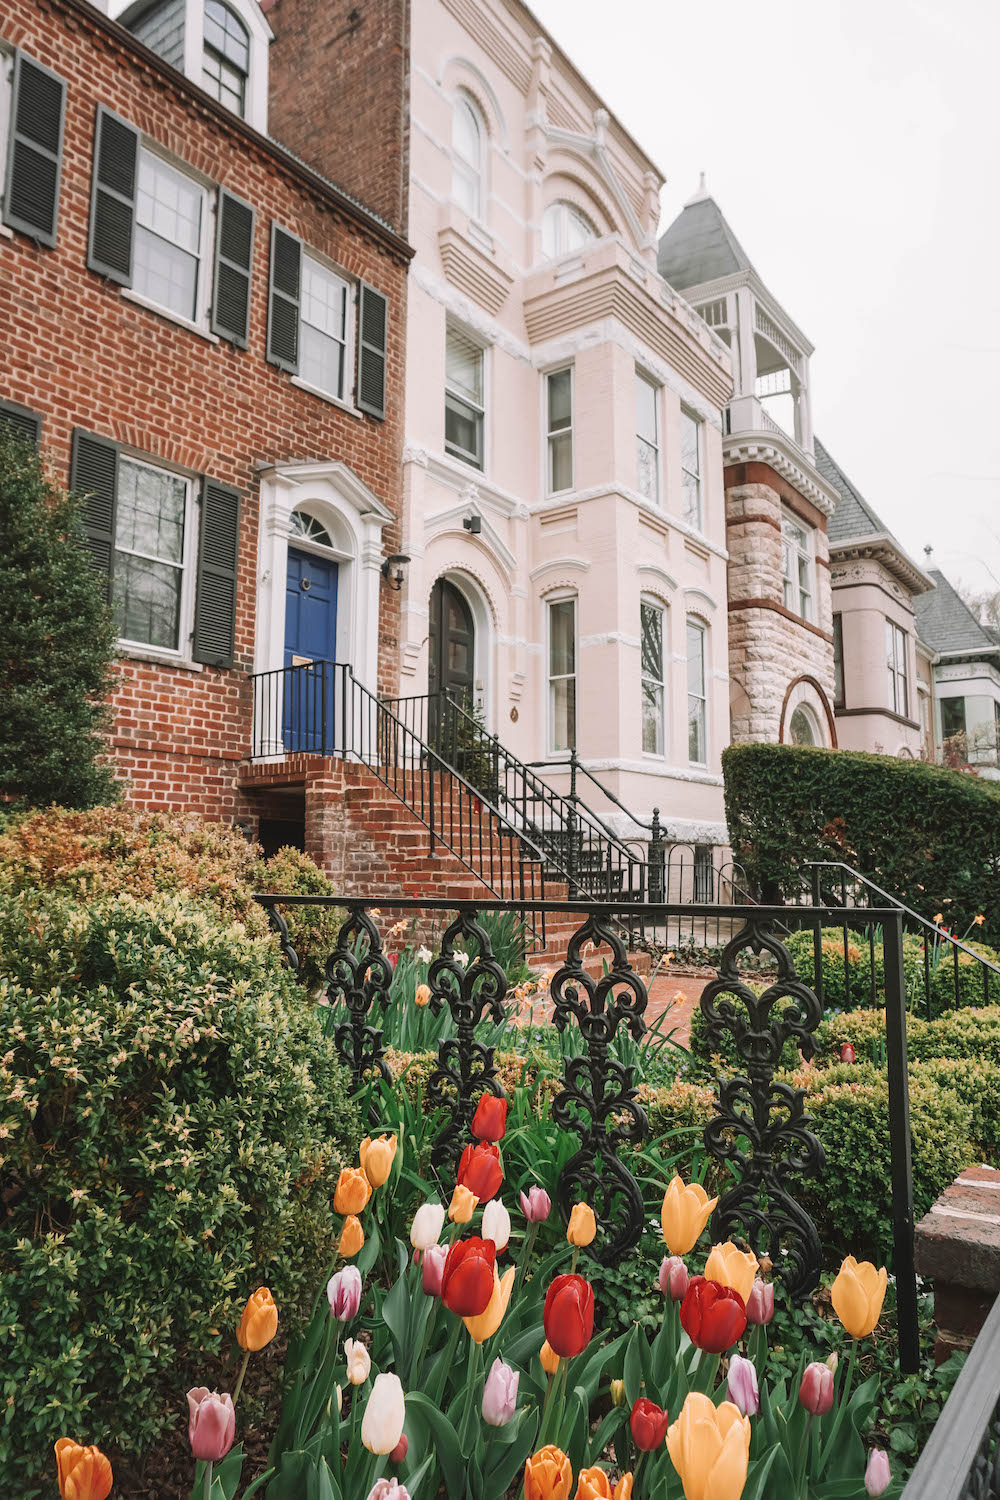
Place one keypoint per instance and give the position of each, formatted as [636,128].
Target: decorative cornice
[340,475]
[473,271]
[786,458]
[884,548]
[448,523]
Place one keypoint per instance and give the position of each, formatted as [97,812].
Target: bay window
[895,653]
[797,567]
[651,648]
[647,437]
[559,424]
[562,675]
[697,698]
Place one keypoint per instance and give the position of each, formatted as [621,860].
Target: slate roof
[946,623]
[699,246]
[853,517]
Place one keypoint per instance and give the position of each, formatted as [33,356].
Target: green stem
[542,1438]
[471,1382]
[639,1465]
[522,1270]
[576,1257]
[841,1407]
[239,1378]
[208,1480]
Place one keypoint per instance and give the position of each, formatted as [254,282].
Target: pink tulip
[400,1451]
[211,1423]
[673,1278]
[878,1473]
[816,1390]
[760,1304]
[500,1394]
[344,1293]
[742,1385]
[433,1269]
[388,1489]
[536,1205]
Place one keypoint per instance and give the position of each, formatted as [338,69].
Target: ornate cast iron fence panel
[599,1088]
[465,1067]
[280,926]
[768,1115]
[357,974]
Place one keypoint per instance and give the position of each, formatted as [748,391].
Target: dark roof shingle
[699,246]
[946,623]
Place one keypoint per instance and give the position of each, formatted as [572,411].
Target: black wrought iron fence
[761,1128]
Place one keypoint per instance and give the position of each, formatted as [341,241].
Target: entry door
[310,636]
[451,665]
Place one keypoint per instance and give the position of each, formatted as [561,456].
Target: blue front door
[310,637]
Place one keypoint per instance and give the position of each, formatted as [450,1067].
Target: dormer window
[226,64]
[467,157]
[564,228]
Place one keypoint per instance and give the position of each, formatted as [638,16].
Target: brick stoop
[957,1246]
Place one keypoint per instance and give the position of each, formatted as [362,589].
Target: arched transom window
[310,529]
[802,728]
[467,142]
[564,228]
[226,63]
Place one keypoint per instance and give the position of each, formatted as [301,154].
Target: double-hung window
[325,325]
[647,437]
[697,730]
[895,652]
[651,647]
[464,398]
[171,238]
[559,422]
[562,674]
[797,567]
[838,661]
[691,468]
[151,541]
[467,157]
[226,60]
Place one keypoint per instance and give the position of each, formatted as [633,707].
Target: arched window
[309,528]
[226,63]
[802,728]
[467,140]
[564,228]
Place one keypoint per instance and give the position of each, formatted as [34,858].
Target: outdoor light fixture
[473,524]
[393,570]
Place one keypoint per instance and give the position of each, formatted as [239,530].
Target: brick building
[206,336]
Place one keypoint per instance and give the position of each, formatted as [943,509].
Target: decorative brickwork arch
[805,689]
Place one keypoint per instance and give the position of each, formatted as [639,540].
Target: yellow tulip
[858,1294]
[353,1191]
[259,1321]
[486,1324]
[686,1210]
[618,1393]
[423,995]
[549,1358]
[463,1205]
[352,1237]
[377,1158]
[582,1225]
[731,1267]
[709,1447]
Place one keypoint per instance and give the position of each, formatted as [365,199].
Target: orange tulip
[731,1267]
[549,1358]
[548,1475]
[462,1206]
[423,995]
[377,1158]
[84,1473]
[623,1489]
[259,1322]
[686,1210]
[582,1227]
[857,1296]
[352,1237]
[353,1191]
[593,1484]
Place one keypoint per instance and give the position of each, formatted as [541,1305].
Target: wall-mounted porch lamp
[474,524]
[393,570]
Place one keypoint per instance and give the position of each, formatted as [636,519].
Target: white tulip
[424,955]
[382,1423]
[496,1224]
[359,1361]
[428,1221]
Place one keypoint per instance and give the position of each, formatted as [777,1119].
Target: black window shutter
[218,554]
[18,421]
[233,263]
[93,473]
[372,331]
[284,290]
[112,197]
[34,153]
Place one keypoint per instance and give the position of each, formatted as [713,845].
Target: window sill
[467,463]
[170,316]
[5,233]
[314,390]
[153,657]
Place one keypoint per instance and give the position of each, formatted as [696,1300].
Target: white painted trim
[575,564]
[644,768]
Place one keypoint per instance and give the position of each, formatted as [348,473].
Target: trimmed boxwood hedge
[866,986]
[929,835]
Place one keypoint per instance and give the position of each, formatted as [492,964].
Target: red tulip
[480,1171]
[816,1390]
[712,1316]
[568,1315]
[467,1281]
[490,1120]
[649,1424]
[847,1053]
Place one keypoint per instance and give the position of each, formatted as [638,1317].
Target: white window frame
[560,213]
[696,623]
[559,432]
[697,522]
[660,682]
[791,550]
[6,92]
[207,48]
[346,397]
[551,600]
[189,566]
[642,442]
[474,173]
[462,396]
[200,323]
[897,666]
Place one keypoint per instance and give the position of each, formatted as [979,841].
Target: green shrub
[860,983]
[172,1122]
[313,930]
[962,1033]
[928,835]
[845,984]
[707,1049]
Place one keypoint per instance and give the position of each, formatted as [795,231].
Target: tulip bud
[433,1269]
[359,1361]
[377,1158]
[847,1053]
[344,1293]
[382,1423]
[463,1205]
[428,1221]
[536,1205]
[259,1321]
[816,1390]
[211,1423]
[389,1489]
[400,1451]
[500,1394]
[617,1393]
[496,1223]
[423,995]
[490,1119]
[832,1361]
[649,1424]
[582,1228]
[352,1238]
[760,1303]
[549,1358]
[878,1474]
[84,1473]
[673,1277]
[741,1385]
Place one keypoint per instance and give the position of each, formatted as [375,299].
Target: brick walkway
[678,993]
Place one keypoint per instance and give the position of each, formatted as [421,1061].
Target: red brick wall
[80,353]
[333,61]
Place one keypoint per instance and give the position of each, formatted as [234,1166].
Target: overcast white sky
[853,147]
